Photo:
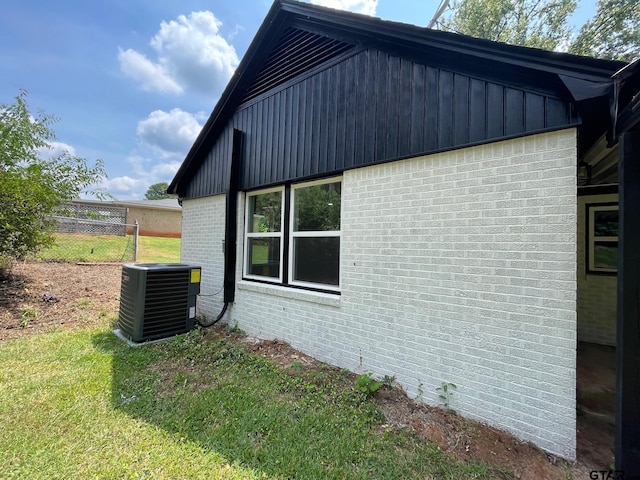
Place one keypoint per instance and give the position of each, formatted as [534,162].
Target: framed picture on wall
[602,238]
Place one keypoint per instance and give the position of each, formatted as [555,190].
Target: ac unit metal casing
[157,300]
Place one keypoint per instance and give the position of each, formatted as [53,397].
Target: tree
[317,208]
[158,191]
[32,184]
[613,33]
[531,23]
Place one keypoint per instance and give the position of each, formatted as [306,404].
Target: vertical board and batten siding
[369,108]
[213,175]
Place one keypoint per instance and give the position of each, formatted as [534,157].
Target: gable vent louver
[298,51]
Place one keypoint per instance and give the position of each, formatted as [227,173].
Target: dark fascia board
[365,30]
[629,117]
[628,88]
[630,70]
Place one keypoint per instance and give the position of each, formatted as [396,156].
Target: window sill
[288,292]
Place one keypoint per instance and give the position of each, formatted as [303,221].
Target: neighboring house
[393,199]
[156,218]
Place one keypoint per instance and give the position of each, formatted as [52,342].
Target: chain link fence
[92,218]
[89,240]
[89,227]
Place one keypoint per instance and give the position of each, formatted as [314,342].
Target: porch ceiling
[603,162]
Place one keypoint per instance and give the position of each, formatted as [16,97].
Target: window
[302,251]
[315,234]
[264,244]
[602,238]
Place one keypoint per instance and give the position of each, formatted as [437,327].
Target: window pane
[265,212]
[317,208]
[605,255]
[317,260]
[605,223]
[264,256]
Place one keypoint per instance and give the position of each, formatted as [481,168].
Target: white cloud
[152,171]
[122,185]
[150,76]
[56,148]
[169,132]
[144,173]
[236,31]
[191,55]
[367,7]
[164,139]
[165,171]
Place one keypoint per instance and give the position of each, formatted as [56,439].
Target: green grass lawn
[110,248]
[158,250]
[83,404]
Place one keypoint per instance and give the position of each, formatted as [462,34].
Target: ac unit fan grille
[166,304]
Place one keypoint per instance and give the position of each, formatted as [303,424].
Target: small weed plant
[366,384]
[420,390]
[28,315]
[389,381]
[235,329]
[445,393]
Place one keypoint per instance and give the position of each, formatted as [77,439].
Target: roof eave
[394,33]
[377,28]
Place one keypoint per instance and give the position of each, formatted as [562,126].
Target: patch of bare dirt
[76,296]
[40,296]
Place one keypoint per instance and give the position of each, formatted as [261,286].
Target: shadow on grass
[13,293]
[239,405]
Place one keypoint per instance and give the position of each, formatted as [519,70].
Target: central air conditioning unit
[157,300]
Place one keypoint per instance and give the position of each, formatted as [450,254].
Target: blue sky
[132,82]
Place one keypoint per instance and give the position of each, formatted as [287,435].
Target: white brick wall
[456,267]
[202,237]
[597,294]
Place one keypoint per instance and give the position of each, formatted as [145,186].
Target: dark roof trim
[597,190]
[625,100]
[585,90]
[381,34]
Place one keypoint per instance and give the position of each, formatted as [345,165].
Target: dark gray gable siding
[212,177]
[372,107]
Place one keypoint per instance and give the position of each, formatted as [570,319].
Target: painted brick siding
[597,294]
[201,244]
[456,267]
